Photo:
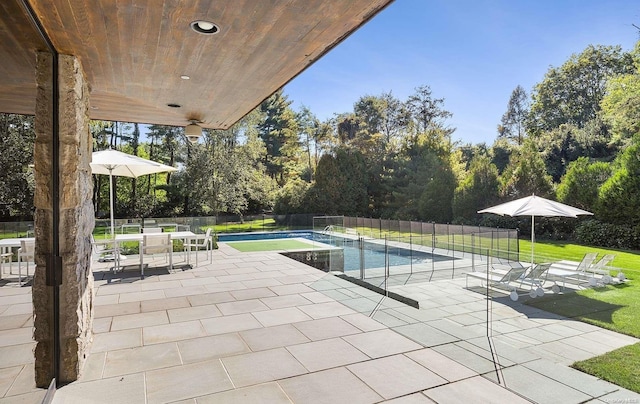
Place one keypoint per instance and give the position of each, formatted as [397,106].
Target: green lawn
[268,224]
[270,245]
[615,307]
[619,367]
[547,251]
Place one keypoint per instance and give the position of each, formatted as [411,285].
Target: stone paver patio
[259,327]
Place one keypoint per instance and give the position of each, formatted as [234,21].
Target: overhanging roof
[134,52]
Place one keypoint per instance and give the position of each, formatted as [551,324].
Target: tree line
[574,137]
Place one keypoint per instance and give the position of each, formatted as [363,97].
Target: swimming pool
[265,235]
[350,251]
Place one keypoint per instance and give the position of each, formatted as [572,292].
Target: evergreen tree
[513,123]
[526,174]
[279,132]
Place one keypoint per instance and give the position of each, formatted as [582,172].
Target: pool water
[224,237]
[373,254]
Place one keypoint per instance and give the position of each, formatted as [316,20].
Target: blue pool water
[373,253]
[265,235]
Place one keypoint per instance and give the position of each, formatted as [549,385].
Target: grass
[614,307]
[268,224]
[619,367]
[269,245]
[546,251]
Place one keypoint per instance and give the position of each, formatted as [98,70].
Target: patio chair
[201,241]
[26,253]
[6,256]
[156,244]
[152,229]
[105,250]
[500,278]
[571,270]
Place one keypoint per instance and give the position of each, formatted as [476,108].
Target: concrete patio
[259,327]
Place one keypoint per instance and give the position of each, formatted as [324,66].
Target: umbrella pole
[111,204]
[533,237]
[116,258]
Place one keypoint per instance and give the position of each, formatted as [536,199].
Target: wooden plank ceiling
[134,52]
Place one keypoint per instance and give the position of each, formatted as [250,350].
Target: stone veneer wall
[76,221]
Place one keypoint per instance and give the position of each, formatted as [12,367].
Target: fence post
[463,249]
[433,235]
[473,255]
[386,267]
[361,247]
[410,254]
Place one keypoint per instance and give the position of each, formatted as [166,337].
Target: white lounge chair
[599,268]
[500,278]
[536,278]
[571,270]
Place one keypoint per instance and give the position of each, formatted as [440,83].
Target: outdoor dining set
[151,241]
[154,240]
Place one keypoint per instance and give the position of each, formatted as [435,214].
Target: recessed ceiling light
[205,27]
[185,77]
[174,105]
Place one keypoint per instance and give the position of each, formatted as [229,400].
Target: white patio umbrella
[112,162]
[535,206]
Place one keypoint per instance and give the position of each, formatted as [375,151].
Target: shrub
[596,233]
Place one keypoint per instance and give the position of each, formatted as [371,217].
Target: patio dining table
[185,236]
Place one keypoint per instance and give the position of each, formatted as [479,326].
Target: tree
[618,198]
[383,114]
[480,188]
[16,175]
[526,174]
[427,112]
[436,199]
[421,181]
[571,93]
[292,198]
[621,104]
[513,123]
[341,184]
[501,152]
[580,185]
[279,132]
[560,146]
[309,127]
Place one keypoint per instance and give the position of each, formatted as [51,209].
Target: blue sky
[471,53]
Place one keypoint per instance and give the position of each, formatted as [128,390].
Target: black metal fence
[502,242]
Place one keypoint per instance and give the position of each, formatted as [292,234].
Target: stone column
[76,221]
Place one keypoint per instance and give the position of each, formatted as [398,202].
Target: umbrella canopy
[535,206]
[112,162]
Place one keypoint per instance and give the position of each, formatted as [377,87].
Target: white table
[185,236]
[6,243]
